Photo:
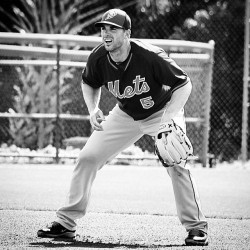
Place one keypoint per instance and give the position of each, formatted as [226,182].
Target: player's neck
[120,55]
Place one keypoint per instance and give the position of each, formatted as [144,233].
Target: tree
[36,91]
[51,17]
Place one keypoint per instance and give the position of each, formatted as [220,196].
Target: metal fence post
[206,124]
[245,103]
[58,127]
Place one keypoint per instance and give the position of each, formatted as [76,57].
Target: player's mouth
[107,41]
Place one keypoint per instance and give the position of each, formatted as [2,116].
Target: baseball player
[151,91]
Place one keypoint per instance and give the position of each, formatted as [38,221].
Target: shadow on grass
[60,243]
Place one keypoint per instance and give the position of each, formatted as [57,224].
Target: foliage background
[204,20]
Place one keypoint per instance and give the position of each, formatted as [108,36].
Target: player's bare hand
[96,117]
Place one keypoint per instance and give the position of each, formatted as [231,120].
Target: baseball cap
[115,17]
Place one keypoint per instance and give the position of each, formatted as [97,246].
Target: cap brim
[101,24]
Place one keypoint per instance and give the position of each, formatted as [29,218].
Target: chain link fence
[165,19]
[223,22]
[44,87]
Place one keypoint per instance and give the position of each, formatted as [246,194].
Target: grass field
[131,207]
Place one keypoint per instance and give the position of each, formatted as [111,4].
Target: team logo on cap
[111,14]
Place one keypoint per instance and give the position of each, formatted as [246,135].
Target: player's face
[113,37]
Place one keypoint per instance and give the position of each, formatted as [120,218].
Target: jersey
[142,84]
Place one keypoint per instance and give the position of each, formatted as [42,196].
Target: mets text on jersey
[129,90]
[140,86]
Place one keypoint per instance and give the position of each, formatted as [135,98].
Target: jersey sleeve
[90,74]
[169,73]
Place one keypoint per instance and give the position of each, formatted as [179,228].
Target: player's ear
[128,33]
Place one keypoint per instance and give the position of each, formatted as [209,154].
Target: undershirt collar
[123,65]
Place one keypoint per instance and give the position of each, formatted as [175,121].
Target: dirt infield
[131,207]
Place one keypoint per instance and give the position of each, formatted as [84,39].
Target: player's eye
[110,28]
[113,28]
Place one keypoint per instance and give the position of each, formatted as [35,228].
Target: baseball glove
[172,144]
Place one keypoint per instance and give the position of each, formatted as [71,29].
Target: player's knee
[87,159]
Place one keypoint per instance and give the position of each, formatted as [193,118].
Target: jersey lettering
[129,91]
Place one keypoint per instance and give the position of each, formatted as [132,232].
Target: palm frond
[97,12]
[52,19]
[22,20]
[128,4]
[86,19]
[6,28]
[12,18]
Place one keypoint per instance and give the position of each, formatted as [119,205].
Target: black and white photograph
[125,124]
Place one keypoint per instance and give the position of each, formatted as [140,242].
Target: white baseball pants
[120,131]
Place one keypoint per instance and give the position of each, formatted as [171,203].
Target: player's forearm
[91,97]
[177,102]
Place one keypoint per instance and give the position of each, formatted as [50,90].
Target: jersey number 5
[147,102]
